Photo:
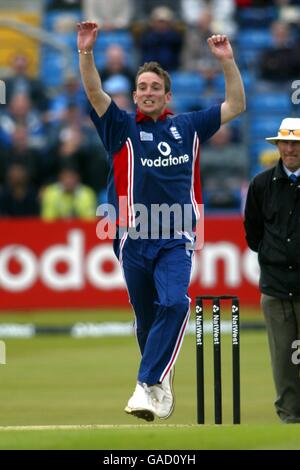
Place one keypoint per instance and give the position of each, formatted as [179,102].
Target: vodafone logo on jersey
[165,159]
[164,148]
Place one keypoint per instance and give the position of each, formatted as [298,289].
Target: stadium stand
[45,32]
[188,88]
[256,17]
[14,40]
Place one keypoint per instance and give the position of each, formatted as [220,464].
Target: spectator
[112,14]
[161,41]
[68,198]
[280,63]
[224,170]
[224,147]
[115,64]
[290,13]
[20,111]
[64,26]
[196,54]
[73,140]
[191,10]
[143,8]
[21,83]
[118,87]
[20,151]
[18,198]
[71,92]
[222,12]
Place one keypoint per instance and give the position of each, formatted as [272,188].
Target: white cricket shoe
[142,404]
[163,396]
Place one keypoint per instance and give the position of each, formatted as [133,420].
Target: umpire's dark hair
[155,68]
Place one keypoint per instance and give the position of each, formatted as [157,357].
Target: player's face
[150,95]
[290,153]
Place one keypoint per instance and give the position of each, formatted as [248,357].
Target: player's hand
[220,47]
[86,35]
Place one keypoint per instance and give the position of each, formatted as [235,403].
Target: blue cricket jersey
[154,162]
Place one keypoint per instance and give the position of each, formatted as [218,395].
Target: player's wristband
[82,51]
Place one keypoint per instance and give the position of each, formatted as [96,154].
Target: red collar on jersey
[143,117]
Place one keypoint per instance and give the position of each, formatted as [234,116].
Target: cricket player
[154,160]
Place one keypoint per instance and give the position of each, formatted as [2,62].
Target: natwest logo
[78,267]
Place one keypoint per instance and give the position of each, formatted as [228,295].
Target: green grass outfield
[155,437]
[63,381]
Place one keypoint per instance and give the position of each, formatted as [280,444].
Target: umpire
[272,224]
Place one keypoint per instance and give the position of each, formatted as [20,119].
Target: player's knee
[177,304]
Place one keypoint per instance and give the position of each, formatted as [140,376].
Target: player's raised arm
[235,101]
[86,38]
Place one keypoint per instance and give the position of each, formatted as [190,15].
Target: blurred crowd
[52,162]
